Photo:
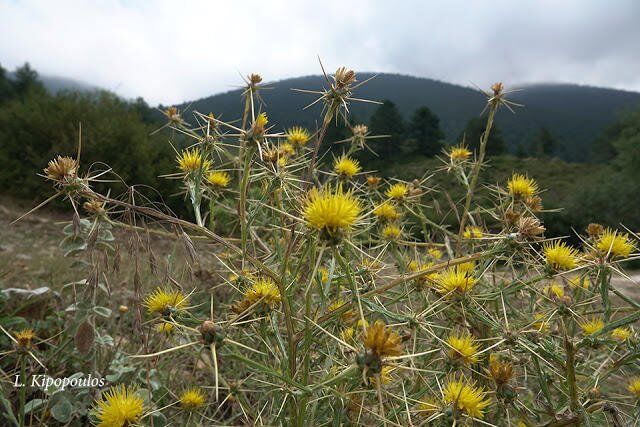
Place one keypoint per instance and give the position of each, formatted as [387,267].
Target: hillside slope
[575,115]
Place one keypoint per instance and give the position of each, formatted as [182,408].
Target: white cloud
[171,51]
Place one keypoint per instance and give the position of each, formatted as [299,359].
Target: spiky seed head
[382,341]
[61,168]
[344,77]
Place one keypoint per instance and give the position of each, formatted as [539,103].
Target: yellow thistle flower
[434,253]
[472,232]
[263,290]
[578,281]
[25,337]
[560,256]
[347,334]
[591,326]
[61,168]
[218,179]
[346,167]
[521,186]
[391,232]
[634,386]
[464,394]
[191,160]
[382,341]
[459,153]
[288,149]
[298,136]
[331,211]
[554,289]
[386,211]
[164,302]
[467,267]
[165,328]
[347,315]
[455,279]
[463,347]
[385,375]
[119,407]
[621,334]
[261,121]
[397,191]
[614,243]
[540,324]
[192,398]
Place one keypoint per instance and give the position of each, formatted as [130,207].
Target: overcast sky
[172,51]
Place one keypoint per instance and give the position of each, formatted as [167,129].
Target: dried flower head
[521,186]
[119,407]
[501,371]
[61,168]
[25,338]
[344,77]
[465,396]
[192,398]
[530,228]
[560,256]
[382,341]
[373,181]
[94,207]
[594,230]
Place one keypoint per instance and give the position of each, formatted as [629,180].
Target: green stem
[23,389]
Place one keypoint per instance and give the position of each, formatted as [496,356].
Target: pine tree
[424,129]
[474,130]
[386,120]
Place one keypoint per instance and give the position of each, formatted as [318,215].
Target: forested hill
[575,115]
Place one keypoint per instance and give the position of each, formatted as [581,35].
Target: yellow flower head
[464,394]
[259,124]
[429,406]
[463,347]
[391,232]
[614,243]
[634,386]
[288,149]
[347,315]
[560,256]
[578,281]
[191,160]
[398,191]
[386,211]
[591,326]
[434,253]
[25,337]
[385,375]
[165,328]
[119,407]
[192,398]
[346,167]
[218,179]
[554,289]
[454,279]
[540,324]
[298,136]
[521,186]
[164,302]
[472,232]
[621,334]
[459,153]
[265,291]
[382,341]
[331,210]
